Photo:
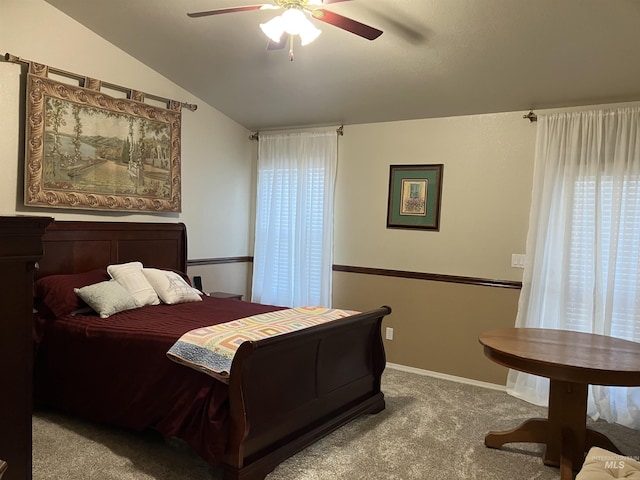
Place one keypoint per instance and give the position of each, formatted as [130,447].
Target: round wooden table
[572,361]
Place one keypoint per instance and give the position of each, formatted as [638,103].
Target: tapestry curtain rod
[83,79]
[256,135]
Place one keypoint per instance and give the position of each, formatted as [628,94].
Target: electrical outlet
[389,333]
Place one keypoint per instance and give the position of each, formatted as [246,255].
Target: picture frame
[85,149]
[415,196]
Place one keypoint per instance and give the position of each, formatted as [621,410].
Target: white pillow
[171,287]
[130,276]
[107,298]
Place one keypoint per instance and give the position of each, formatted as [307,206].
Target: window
[605,242]
[583,246]
[294,219]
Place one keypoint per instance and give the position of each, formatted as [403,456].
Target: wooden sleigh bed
[284,392]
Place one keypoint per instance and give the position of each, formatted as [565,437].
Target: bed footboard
[288,391]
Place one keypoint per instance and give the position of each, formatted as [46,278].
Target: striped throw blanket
[211,349]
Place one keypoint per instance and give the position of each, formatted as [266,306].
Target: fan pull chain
[291,48]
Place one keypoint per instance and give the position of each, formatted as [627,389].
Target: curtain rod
[256,135]
[531,116]
[83,79]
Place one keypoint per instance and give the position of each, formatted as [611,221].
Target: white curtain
[293,252]
[583,247]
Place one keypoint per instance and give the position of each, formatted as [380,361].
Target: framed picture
[415,193]
[88,150]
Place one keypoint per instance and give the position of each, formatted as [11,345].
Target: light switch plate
[517,260]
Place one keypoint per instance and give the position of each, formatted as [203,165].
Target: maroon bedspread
[115,370]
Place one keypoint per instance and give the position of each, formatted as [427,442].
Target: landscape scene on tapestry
[93,150]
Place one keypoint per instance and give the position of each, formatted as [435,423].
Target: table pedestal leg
[597,439]
[530,431]
[567,418]
[564,432]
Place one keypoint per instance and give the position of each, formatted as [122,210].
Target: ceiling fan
[294,21]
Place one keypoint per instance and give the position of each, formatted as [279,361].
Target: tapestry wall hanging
[89,150]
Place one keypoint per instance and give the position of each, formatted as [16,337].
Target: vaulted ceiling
[436,58]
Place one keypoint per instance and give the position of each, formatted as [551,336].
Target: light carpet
[431,429]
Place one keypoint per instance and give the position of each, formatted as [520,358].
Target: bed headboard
[78,246]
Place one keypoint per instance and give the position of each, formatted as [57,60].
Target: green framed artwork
[415,193]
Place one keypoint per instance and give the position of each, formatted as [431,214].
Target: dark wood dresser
[20,249]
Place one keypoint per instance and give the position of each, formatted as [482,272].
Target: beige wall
[486,195]
[217,162]
[488,169]
[435,324]
[226,277]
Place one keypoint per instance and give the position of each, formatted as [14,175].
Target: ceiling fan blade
[327,2]
[345,23]
[227,10]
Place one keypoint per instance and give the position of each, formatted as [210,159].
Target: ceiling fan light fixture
[274,28]
[308,32]
[293,22]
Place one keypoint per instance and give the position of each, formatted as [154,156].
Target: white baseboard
[444,376]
